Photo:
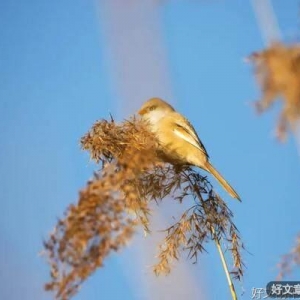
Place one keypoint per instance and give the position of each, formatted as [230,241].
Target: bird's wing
[185,130]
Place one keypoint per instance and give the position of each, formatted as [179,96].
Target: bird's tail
[222,181]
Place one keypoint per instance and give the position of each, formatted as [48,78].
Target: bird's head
[154,109]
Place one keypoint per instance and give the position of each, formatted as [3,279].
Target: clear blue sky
[54,83]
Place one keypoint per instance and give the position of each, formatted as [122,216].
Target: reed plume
[116,200]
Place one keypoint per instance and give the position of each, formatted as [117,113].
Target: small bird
[179,143]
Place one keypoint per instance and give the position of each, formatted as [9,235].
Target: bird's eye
[152,107]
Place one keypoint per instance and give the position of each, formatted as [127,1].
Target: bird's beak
[142,111]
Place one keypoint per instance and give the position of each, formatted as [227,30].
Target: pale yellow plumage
[179,142]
